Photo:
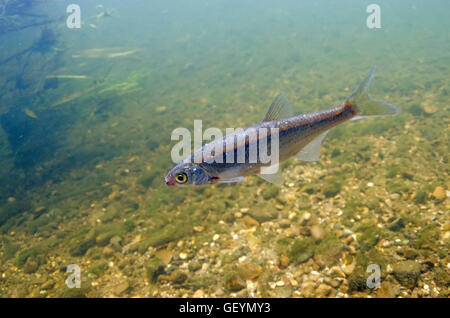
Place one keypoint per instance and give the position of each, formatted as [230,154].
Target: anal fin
[238,179]
[275,178]
[311,152]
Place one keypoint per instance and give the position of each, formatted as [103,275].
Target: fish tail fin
[364,106]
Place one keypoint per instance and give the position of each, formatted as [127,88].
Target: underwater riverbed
[86,117]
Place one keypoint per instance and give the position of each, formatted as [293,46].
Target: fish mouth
[169,181]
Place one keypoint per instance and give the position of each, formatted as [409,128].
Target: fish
[67,76]
[30,113]
[299,136]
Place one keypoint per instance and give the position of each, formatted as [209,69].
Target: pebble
[199,294]
[160,109]
[114,196]
[439,193]
[216,237]
[121,288]
[183,255]
[348,269]
[279,283]
[284,261]
[323,290]
[318,232]
[198,228]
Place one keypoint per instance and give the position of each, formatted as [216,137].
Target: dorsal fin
[311,151]
[279,109]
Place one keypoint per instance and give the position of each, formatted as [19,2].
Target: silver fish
[300,136]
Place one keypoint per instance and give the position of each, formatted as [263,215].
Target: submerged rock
[302,250]
[234,282]
[249,271]
[407,273]
[439,193]
[30,266]
[388,290]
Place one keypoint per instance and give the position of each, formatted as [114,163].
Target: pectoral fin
[279,109]
[311,151]
[238,179]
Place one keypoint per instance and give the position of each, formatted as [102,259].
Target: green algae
[25,254]
[302,250]
[332,187]
[370,235]
[154,267]
[98,268]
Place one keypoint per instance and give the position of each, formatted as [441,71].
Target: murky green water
[87,115]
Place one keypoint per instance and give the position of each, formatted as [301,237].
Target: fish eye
[181,177]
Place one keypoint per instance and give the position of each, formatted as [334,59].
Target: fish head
[187,174]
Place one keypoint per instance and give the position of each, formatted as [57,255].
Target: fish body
[30,113]
[298,136]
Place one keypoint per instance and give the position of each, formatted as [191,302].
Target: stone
[397,225]
[323,290]
[348,270]
[263,213]
[49,284]
[284,261]
[429,109]
[249,271]
[194,266]
[114,196]
[30,266]
[407,273]
[328,251]
[154,267]
[199,294]
[103,239]
[439,193]
[116,242]
[318,232]
[302,250]
[121,288]
[178,277]
[388,290]
[234,283]
[250,222]
[108,251]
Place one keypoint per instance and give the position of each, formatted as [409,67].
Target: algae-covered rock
[357,281]
[166,234]
[80,246]
[369,237]
[66,292]
[154,268]
[302,250]
[332,188]
[427,236]
[328,251]
[397,225]
[263,213]
[249,271]
[407,273]
[9,251]
[98,268]
[388,290]
[270,191]
[22,257]
[30,266]
[233,282]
